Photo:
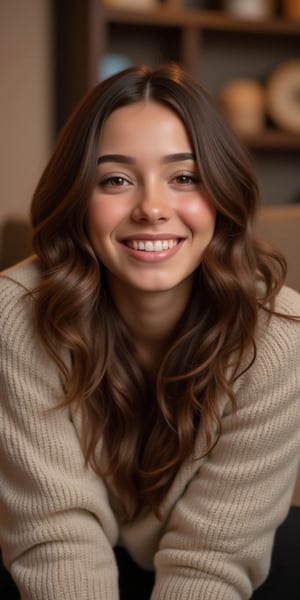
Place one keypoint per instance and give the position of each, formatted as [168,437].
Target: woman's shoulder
[23,275]
[16,286]
[278,337]
[274,372]
[288,302]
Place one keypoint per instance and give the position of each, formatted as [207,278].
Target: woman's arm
[219,537]
[56,526]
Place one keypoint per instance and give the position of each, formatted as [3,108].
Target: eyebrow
[119,158]
[129,160]
[169,158]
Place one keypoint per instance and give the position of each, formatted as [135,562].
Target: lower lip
[153,257]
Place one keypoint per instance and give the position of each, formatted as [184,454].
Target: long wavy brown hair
[147,431]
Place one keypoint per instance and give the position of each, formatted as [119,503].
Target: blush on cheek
[99,219]
[200,216]
[103,215]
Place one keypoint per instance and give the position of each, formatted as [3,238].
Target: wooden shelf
[214,21]
[205,19]
[212,45]
[272,139]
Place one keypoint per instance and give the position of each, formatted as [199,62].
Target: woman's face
[150,217]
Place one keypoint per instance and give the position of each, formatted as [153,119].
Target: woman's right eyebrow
[119,158]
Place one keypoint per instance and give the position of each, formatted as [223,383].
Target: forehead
[142,123]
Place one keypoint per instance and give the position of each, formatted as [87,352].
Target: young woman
[149,359]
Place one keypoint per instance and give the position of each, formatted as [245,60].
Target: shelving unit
[211,45]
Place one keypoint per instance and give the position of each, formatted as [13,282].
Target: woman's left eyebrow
[178,157]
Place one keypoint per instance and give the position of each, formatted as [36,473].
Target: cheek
[104,216]
[200,214]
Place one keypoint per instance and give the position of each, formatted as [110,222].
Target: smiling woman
[150,217]
[149,360]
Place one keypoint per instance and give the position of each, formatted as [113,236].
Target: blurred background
[26,112]
[246,52]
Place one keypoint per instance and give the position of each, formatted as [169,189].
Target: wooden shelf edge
[272,139]
[206,19]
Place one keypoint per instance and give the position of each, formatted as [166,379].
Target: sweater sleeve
[56,526]
[219,537]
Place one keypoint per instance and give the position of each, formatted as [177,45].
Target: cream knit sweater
[57,527]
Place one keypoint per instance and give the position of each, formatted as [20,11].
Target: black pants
[8,590]
[282,583]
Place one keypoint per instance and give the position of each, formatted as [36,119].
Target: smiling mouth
[152,246]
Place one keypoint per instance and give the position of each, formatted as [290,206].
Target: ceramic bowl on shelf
[250,9]
[242,101]
[291,9]
[112,63]
[283,96]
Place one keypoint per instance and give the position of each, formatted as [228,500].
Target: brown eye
[186,179]
[116,181]
[183,179]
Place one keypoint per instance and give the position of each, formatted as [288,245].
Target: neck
[151,318]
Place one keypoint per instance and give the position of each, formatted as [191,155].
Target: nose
[152,206]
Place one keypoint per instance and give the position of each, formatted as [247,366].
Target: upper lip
[152,236]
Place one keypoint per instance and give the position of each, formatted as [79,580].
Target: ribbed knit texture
[214,542]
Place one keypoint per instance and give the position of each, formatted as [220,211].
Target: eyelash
[184,177]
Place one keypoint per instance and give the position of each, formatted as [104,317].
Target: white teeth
[158,246]
[150,246]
